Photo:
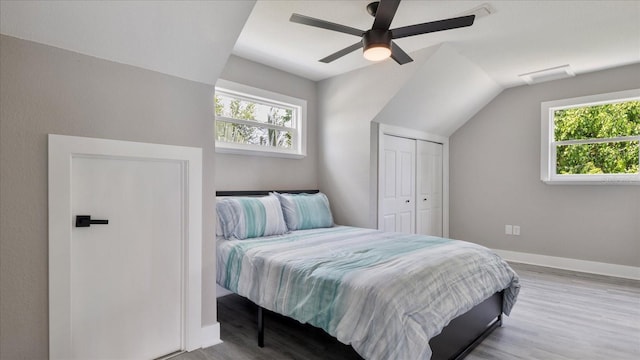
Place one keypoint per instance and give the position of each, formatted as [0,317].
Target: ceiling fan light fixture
[376,44]
[377,53]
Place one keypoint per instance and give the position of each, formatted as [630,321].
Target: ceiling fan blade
[341,53]
[385,13]
[399,55]
[433,26]
[306,20]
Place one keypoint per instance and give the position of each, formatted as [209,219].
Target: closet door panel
[429,188]
[398,169]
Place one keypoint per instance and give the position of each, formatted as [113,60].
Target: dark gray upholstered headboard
[263,192]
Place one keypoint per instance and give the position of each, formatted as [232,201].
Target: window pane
[249,110]
[601,158]
[598,121]
[253,135]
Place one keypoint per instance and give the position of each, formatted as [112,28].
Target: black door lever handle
[85,221]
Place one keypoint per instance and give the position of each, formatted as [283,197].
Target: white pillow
[306,211]
[250,217]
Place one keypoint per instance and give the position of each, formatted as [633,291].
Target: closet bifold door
[397,184]
[429,188]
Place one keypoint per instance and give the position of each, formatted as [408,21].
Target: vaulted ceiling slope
[188,39]
[444,93]
[436,93]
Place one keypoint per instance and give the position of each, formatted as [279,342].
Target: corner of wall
[495,180]
[348,104]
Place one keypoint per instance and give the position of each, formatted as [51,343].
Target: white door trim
[61,151]
[385,129]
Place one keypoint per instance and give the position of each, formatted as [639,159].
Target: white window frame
[548,145]
[299,106]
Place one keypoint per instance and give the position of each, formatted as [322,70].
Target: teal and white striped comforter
[386,294]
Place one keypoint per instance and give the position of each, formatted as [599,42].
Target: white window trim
[548,146]
[252,94]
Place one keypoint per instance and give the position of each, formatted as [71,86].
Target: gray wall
[47,90]
[495,180]
[244,172]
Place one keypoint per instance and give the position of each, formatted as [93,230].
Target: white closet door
[398,167]
[429,188]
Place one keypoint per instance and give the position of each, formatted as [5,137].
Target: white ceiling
[192,39]
[187,39]
[519,37]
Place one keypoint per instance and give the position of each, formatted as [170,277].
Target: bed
[388,295]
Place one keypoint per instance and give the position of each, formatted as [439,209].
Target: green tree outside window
[609,124]
[249,134]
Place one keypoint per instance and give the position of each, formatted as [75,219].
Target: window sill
[599,181]
[250,152]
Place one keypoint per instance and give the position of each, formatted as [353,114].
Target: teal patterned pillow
[249,217]
[306,211]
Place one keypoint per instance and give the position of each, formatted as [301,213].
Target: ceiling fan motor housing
[376,38]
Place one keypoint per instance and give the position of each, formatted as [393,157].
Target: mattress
[385,294]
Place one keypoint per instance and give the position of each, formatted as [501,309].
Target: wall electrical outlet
[508,229]
[516,230]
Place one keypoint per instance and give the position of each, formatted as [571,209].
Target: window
[592,139]
[252,121]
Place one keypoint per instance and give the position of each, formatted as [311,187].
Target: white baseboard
[211,335]
[592,267]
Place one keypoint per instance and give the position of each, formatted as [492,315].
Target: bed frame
[456,340]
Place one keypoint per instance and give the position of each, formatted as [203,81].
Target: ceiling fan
[378,42]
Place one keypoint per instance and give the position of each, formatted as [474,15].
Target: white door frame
[61,151]
[385,129]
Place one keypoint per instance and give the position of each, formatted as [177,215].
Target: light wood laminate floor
[559,315]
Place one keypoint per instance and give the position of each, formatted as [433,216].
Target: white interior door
[126,275]
[429,188]
[398,184]
[129,289]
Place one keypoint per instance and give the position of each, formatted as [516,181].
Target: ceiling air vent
[554,73]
